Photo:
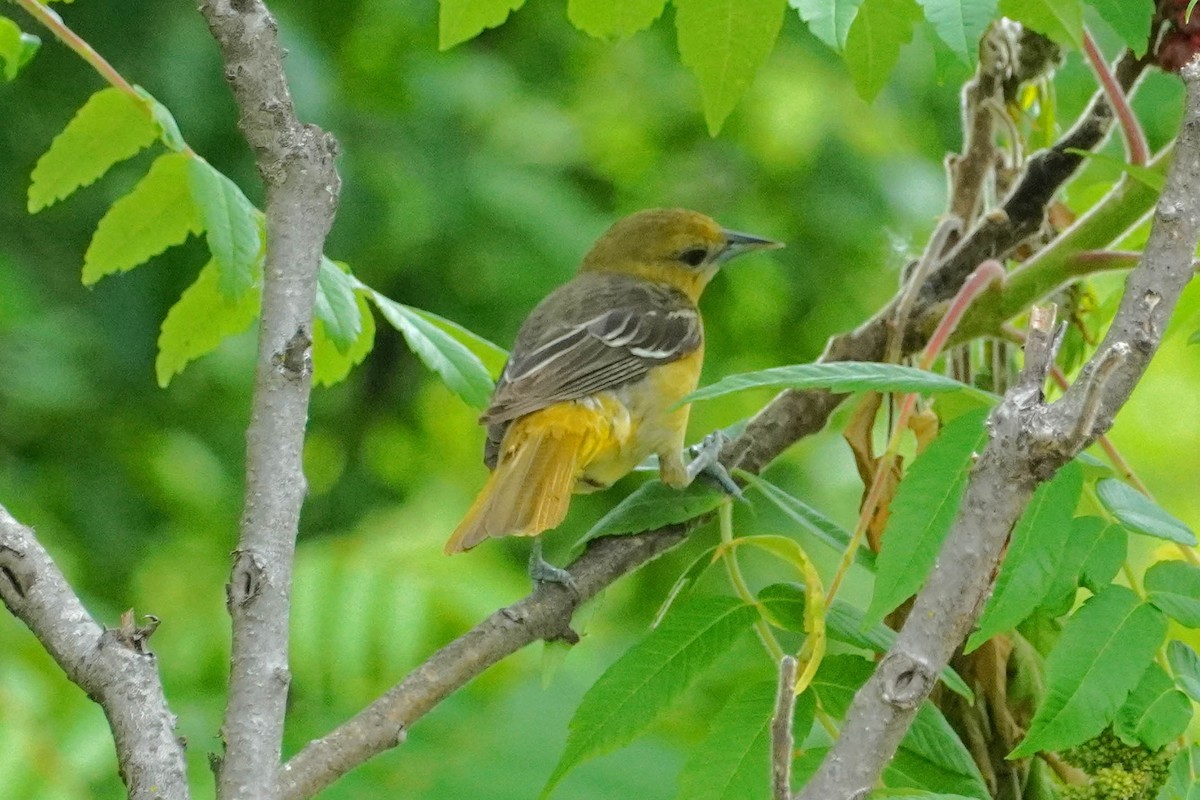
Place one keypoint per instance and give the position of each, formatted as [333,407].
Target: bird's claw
[542,571]
[706,461]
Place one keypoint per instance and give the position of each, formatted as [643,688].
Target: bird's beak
[737,243]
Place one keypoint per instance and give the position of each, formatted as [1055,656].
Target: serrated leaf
[1174,587]
[733,760]
[17,48]
[1060,20]
[724,42]
[925,505]
[1085,532]
[156,214]
[1138,513]
[457,366]
[960,23]
[655,505]
[492,356]
[812,520]
[1155,712]
[1185,665]
[785,603]
[1103,651]
[460,20]
[1182,783]
[931,749]
[640,685]
[613,19]
[1130,21]
[330,364]
[231,226]
[110,127]
[336,304]
[164,121]
[829,20]
[873,43]
[1035,551]
[838,376]
[200,320]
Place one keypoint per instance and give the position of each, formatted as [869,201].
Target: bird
[593,384]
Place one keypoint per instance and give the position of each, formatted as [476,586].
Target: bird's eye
[693,256]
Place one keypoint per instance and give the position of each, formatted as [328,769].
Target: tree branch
[794,414]
[111,665]
[545,614]
[1029,442]
[295,162]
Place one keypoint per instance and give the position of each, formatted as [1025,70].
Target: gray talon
[542,571]
[706,461]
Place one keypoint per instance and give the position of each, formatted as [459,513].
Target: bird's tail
[541,458]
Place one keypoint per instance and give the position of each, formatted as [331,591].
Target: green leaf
[1194,338]
[1131,21]
[960,23]
[1035,551]
[931,754]
[1185,664]
[158,213]
[909,794]
[829,20]
[164,121]
[231,224]
[1138,513]
[873,43]
[1150,177]
[455,364]
[460,20]
[640,685]
[925,505]
[331,364]
[1155,713]
[337,305]
[812,520]
[844,622]
[838,376]
[1181,778]
[724,42]
[613,19]
[201,319]
[1084,533]
[1103,651]
[1105,559]
[1060,20]
[1174,587]
[492,356]
[17,48]
[734,760]
[110,127]
[654,505]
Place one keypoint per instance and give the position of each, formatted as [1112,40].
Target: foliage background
[473,181]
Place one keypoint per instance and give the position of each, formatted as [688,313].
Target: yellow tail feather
[541,458]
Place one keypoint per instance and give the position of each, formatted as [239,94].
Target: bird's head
[674,246]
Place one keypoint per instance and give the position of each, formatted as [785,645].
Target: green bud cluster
[1118,771]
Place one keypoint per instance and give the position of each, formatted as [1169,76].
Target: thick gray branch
[296,165]
[1029,441]
[545,614]
[111,665]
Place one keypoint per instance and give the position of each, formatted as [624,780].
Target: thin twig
[782,744]
[1135,137]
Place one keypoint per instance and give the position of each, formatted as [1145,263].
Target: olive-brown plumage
[590,386]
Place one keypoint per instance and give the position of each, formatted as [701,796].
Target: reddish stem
[1135,139]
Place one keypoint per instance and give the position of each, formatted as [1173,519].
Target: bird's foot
[542,571]
[706,461]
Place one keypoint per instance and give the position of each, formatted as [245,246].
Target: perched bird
[590,388]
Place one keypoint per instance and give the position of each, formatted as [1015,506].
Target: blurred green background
[473,182]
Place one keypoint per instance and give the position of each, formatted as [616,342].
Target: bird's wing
[614,347]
